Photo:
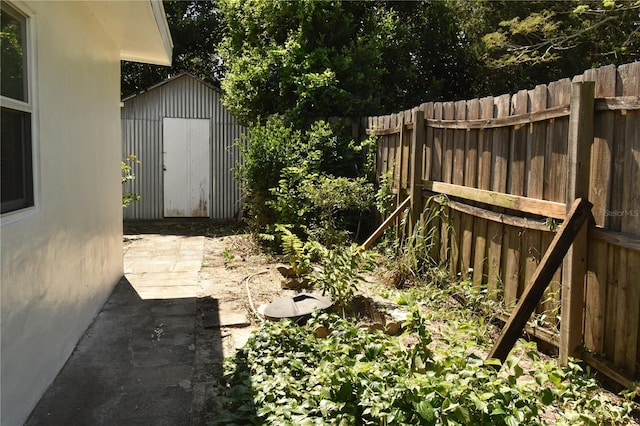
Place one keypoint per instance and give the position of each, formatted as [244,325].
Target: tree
[431,59]
[197,27]
[519,44]
[309,59]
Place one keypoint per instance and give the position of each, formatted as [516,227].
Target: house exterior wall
[61,259]
[183,97]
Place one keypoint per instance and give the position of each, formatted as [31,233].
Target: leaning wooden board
[550,263]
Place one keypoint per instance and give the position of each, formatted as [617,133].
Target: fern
[299,253]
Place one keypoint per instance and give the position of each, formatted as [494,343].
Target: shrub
[341,271]
[313,180]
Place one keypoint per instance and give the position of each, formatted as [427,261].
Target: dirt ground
[235,271]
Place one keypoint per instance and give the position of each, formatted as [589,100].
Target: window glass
[15,150]
[12,66]
[16,169]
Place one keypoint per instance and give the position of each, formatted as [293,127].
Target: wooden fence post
[415,182]
[574,269]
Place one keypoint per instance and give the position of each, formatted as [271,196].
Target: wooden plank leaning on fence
[372,239]
[552,259]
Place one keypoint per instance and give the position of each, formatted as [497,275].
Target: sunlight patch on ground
[164,267]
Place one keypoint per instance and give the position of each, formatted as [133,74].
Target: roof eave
[138,28]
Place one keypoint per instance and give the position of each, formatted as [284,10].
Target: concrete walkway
[146,359]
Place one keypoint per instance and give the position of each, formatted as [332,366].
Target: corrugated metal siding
[183,97]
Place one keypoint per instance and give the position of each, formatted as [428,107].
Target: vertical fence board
[536,145]
[555,164]
[629,313]
[449,249]
[630,77]
[458,174]
[448,113]
[595,306]
[471,146]
[531,243]
[623,337]
[614,281]
[470,180]
[574,271]
[390,154]
[599,194]
[484,182]
[557,131]
[513,284]
[415,187]
[436,159]
[611,315]
[436,175]
[601,148]
[632,301]
[499,156]
[406,150]
[428,143]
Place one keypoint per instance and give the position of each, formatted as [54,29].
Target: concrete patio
[147,359]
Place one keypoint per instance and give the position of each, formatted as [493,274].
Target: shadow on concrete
[183,227]
[141,362]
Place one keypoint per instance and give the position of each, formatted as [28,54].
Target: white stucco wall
[61,261]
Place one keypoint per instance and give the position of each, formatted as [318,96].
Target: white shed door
[187,185]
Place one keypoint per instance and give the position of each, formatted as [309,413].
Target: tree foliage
[518,44]
[312,58]
[197,27]
[308,59]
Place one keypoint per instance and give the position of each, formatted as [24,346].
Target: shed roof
[138,28]
[170,79]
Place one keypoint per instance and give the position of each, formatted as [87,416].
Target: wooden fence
[510,165]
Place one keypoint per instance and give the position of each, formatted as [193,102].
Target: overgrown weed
[286,375]
[410,258]
[435,374]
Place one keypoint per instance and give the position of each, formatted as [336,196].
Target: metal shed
[186,141]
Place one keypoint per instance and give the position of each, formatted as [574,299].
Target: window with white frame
[16,166]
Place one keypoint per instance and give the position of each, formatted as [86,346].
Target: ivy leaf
[462,414]
[517,370]
[425,411]
[547,396]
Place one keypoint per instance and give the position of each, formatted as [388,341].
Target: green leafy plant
[286,375]
[128,176]
[341,270]
[228,257]
[309,179]
[332,198]
[384,196]
[552,224]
